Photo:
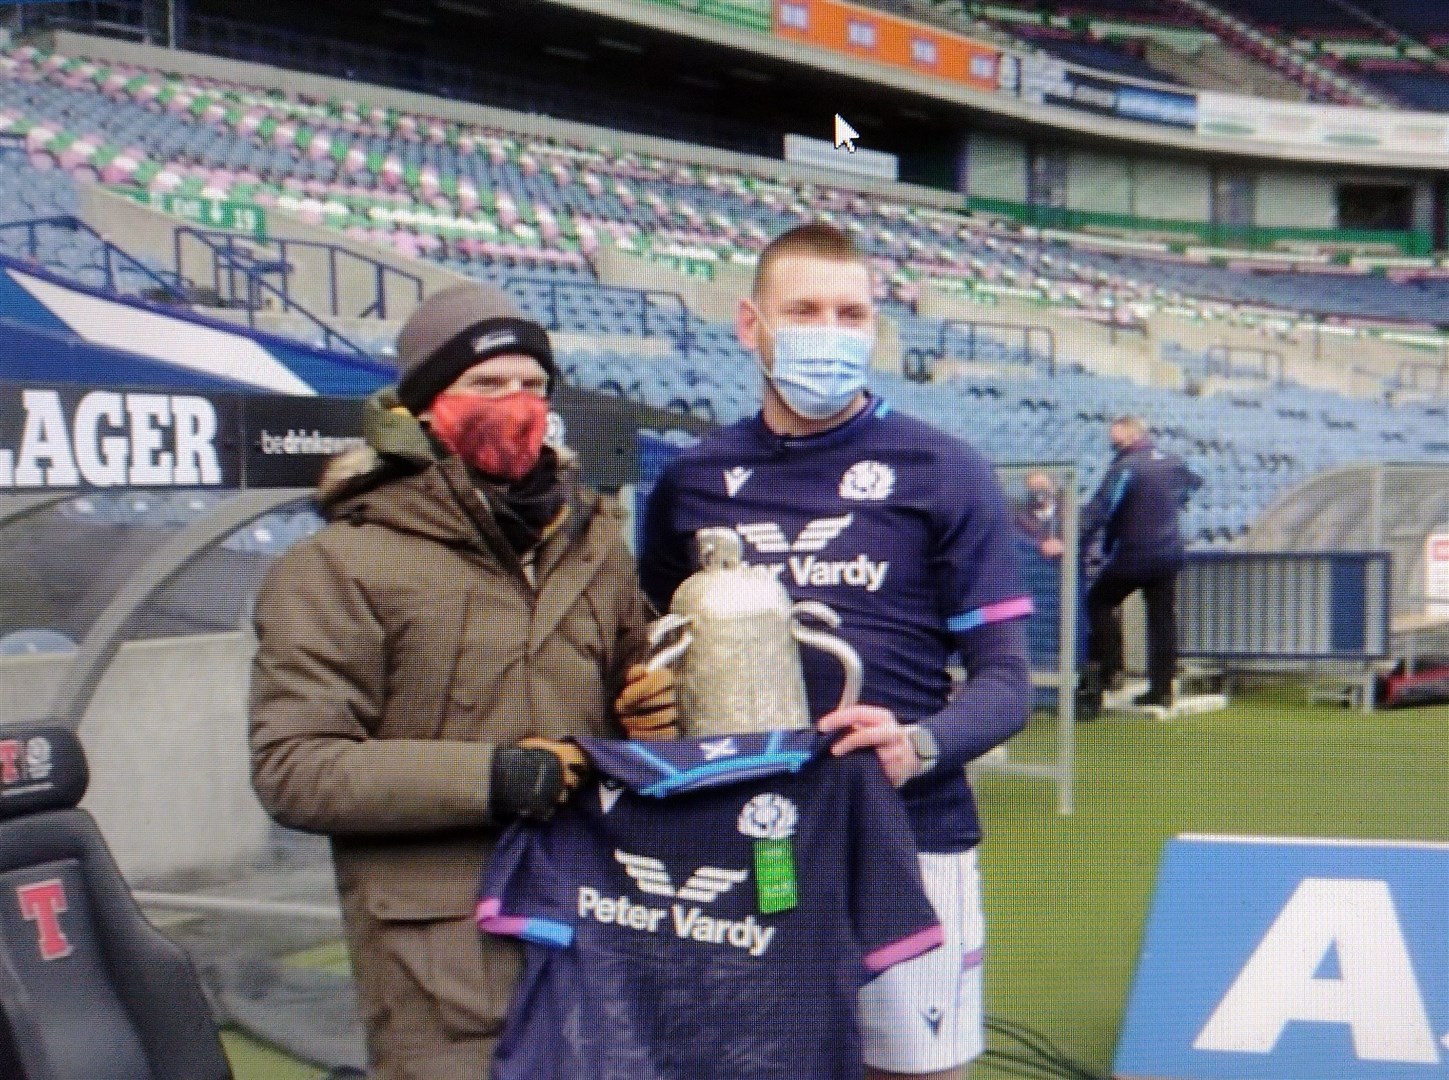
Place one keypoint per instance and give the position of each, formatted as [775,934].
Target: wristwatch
[925,745]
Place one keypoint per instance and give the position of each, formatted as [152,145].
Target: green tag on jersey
[775,876]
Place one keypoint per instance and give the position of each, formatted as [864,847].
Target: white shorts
[926,1014]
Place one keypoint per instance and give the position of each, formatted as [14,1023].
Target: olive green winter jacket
[396,649]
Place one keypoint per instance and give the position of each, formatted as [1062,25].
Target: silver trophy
[733,632]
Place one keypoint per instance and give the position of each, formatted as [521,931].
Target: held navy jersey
[709,909]
[899,527]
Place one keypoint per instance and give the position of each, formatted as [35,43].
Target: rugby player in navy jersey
[904,531]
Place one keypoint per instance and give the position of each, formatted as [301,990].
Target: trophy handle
[836,647]
[660,629]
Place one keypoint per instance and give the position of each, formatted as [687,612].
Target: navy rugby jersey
[899,527]
[709,908]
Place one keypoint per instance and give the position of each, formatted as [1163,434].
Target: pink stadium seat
[405,243]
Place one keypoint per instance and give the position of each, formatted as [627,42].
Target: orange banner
[874,35]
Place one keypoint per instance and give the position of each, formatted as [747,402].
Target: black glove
[531,779]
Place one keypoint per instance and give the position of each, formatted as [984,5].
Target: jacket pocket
[472,977]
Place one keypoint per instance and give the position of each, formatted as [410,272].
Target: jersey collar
[875,408]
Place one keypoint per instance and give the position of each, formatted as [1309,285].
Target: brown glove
[647,706]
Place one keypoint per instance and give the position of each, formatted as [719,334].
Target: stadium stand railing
[247,272]
[69,245]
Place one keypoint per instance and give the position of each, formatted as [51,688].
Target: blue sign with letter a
[1276,959]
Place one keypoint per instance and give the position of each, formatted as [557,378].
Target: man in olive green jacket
[420,660]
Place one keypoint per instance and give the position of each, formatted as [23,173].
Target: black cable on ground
[1034,1056]
[1018,1066]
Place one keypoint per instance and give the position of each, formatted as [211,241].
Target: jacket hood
[390,432]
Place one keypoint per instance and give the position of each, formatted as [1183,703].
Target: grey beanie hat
[454,329]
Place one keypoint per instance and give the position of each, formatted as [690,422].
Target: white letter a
[1376,993]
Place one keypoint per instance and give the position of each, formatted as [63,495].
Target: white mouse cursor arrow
[845,134]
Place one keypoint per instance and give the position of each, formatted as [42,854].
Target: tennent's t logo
[42,903]
[9,758]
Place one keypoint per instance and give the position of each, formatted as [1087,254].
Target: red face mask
[499,436]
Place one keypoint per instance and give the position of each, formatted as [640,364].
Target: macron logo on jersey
[805,567]
[735,478]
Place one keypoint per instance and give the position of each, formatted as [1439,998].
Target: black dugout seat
[89,990]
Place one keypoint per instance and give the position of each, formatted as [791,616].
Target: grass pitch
[1067,898]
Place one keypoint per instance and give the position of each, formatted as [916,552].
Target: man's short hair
[818,238]
[1132,423]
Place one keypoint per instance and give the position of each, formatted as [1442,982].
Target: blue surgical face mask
[820,369]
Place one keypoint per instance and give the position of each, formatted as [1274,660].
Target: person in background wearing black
[1136,510]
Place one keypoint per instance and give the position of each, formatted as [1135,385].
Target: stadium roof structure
[90,571]
[1391,507]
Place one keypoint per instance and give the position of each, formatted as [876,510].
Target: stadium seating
[58,241]
[1420,17]
[493,205]
[1391,42]
[1110,35]
[1418,87]
[1097,54]
[529,214]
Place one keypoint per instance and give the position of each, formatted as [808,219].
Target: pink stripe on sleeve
[506,925]
[1000,611]
[491,918]
[906,948]
[1007,609]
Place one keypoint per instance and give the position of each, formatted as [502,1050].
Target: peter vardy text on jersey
[860,572]
[805,566]
[688,923]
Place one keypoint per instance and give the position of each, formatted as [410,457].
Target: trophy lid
[719,549]
[727,587]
